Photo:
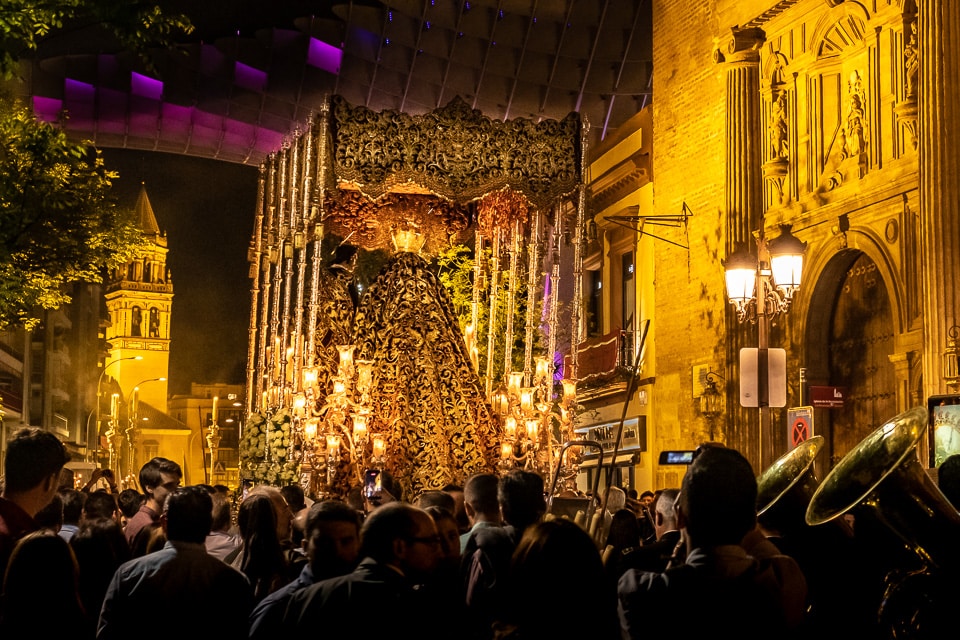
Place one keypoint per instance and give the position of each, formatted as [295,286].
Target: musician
[720,590]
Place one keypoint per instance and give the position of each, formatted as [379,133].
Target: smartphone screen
[372,484]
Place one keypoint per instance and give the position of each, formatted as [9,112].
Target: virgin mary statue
[429,399]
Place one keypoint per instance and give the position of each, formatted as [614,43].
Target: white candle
[214,412]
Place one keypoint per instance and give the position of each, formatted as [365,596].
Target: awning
[623,460]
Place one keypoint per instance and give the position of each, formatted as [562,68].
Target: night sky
[206,207]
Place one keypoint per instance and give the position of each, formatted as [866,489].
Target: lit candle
[333,445]
[359,426]
[339,387]
[526,400]
[214,411]
[114,405]
[532,429]
[506,450]
[310,429]
[543,368]
[515,381]
[569,390]
[309,378]
[346,360]
[379,446]
[299,405]
[498,402]
[510,427]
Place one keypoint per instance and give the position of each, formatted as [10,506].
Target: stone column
[939,119]
[743,204]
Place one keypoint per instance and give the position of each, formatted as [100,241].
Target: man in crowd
[180,590]
[158,477]
[332,544]
[400,548]
[720,590]
[32,473]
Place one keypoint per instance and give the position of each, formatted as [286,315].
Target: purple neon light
[324,56]
[76,91]
[141,85]
[249,77]
[47,109]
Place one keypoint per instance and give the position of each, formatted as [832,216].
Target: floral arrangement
[269,434]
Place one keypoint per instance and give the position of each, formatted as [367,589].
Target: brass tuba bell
[784,490]
[882,479]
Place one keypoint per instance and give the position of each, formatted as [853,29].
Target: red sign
[827,397]
[800,421]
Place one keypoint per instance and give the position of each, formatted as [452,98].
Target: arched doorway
[861,342]
[849,344]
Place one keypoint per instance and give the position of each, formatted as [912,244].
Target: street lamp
[761,287]
[133,416]
[100,380]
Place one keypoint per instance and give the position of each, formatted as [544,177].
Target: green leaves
[58,224]
[135,25]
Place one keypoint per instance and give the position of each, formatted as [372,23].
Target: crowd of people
[485,561]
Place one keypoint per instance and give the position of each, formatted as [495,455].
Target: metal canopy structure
[253,72]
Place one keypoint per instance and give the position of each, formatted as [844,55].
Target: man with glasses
[400,550]
[158,478]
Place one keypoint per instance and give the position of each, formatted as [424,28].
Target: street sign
[752,362]
[799,425]
[827,397]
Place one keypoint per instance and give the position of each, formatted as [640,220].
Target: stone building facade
[837,119]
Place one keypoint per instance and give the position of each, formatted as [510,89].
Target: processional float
[429,373]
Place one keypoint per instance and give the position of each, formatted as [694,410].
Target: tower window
[136,319]
[154,322]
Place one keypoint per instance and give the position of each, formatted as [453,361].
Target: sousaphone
[882,478]
[784,490]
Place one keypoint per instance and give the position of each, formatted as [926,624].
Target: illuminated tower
[139,297]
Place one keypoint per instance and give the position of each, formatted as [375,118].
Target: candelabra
[534,426]
[340,423]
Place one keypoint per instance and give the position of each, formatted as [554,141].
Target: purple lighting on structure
[47,109]
[141,85]
[249,78]
[74,90]
[324,56]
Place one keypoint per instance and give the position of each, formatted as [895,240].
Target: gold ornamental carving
[455,152]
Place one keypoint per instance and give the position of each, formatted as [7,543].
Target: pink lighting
[141,85]
[249,78]
[324,56]
[74,90]
[47,109]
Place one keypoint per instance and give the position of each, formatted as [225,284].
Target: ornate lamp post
[133,428]
[213,438]
[761,287]
[97,408]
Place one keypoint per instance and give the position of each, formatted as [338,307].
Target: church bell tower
[139,296]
